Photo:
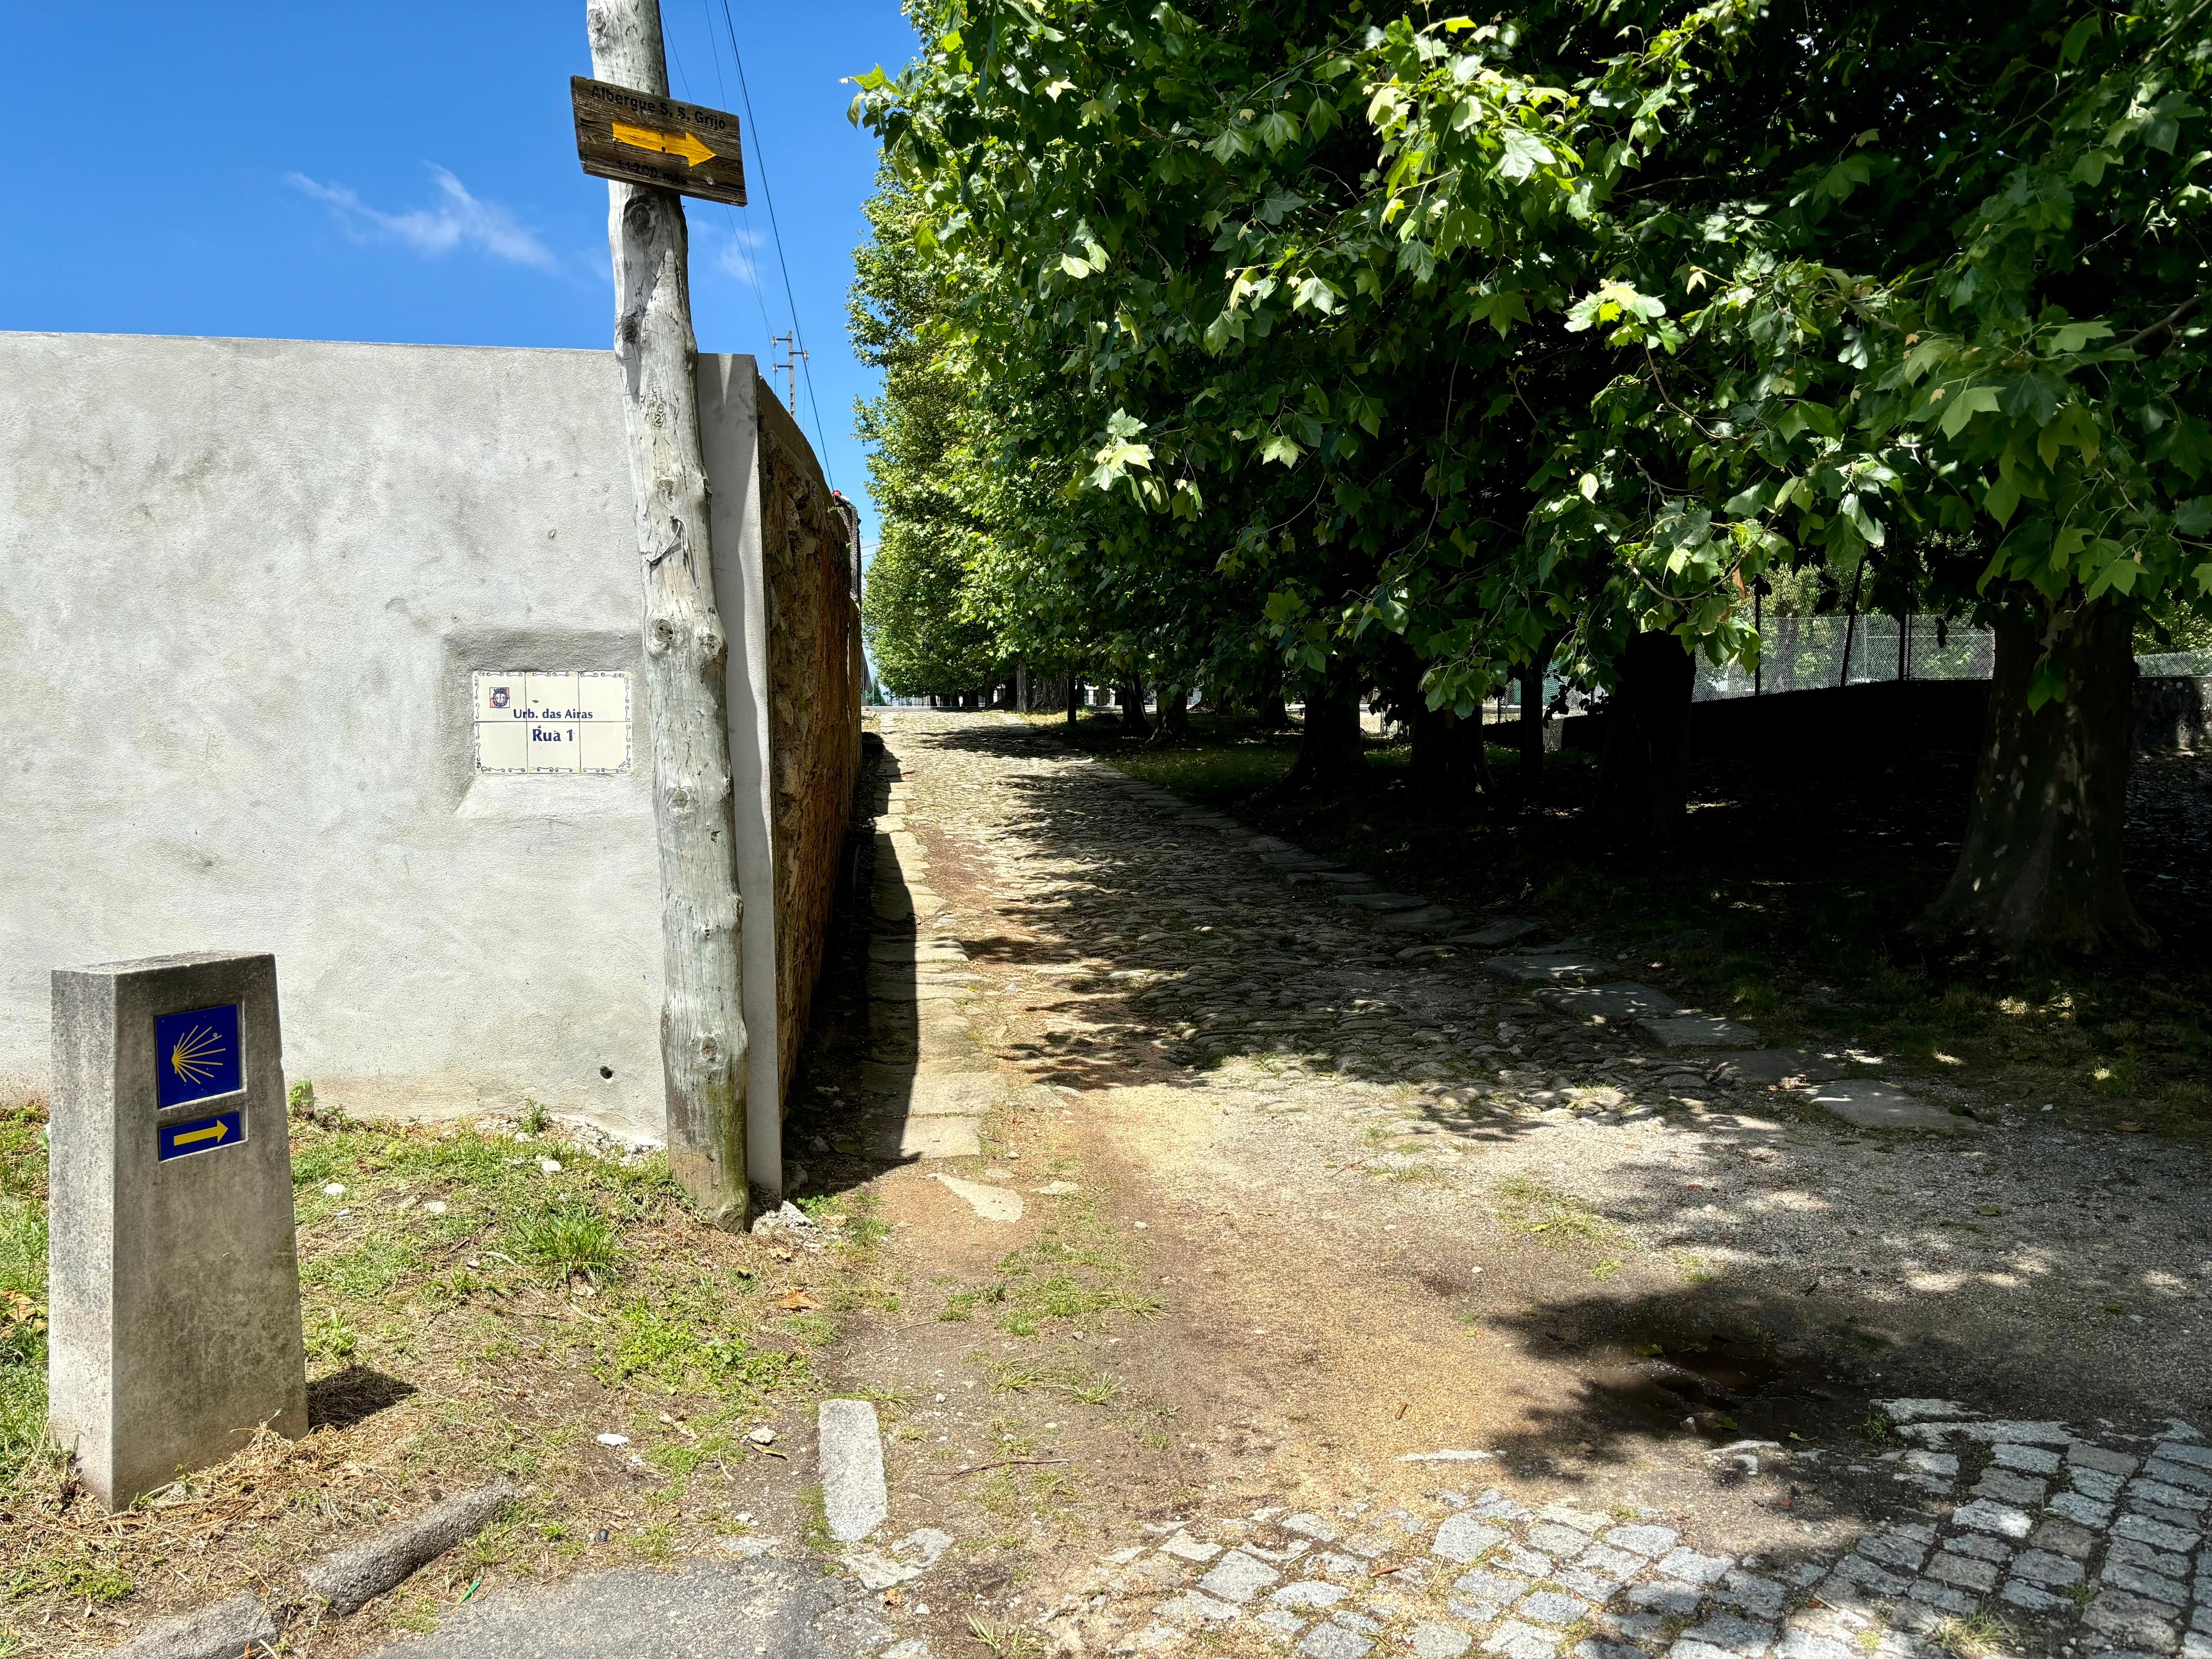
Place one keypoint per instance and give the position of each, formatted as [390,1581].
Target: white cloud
[457,220]
[736,257]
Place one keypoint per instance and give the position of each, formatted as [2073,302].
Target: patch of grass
[692,1340]
[569,1240]
[443,1350]
[22,1288]
[1008,1641]
[1529,1206]
[1072,1273]
[1084,1388]
[1880,1430]
[367,1271]
[75,1575]
[1977,1635]
[332,1338]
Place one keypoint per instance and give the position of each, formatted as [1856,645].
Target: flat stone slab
[1621,999]
[361,1572]
[1550,967]
[899,985]
[1296,860]
[989,1202]
[1382,902]
[1696,1032]
[854,1499]
[1879,1106]
[1502,931]
[1333,876]
[1783,1065]
[941,1094]
[239,1625]
[929,1137]
[758,1606]
[1429,919]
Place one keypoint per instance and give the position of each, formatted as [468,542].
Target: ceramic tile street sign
[644,140]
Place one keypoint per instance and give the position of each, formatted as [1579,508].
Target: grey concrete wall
[244,585]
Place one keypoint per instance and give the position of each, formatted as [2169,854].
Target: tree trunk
[702,1028]
[1447,763]
[1329,748]
[2041,865]
[1531,716]
[1267,707]
[1074,697]
[1644,774]
[1133,722]
[1175,713]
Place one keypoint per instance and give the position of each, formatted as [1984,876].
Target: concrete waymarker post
[174,1286]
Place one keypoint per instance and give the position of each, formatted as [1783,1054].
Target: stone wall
[250,584]
[808,545]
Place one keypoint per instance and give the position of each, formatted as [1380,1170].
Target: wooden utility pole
[702,1028]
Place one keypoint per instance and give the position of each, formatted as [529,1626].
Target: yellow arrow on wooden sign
[684,144]
[215,1131]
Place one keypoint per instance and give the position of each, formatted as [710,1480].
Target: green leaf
[1963,406]
[1280,447]
[1524,154]
[2078,38]
[2074,335]
[1276,129]
[2003,499]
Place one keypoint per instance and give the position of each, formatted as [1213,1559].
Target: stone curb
[221,1632]
[362,1571]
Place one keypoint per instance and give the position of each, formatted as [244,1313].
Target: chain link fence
[1805,654]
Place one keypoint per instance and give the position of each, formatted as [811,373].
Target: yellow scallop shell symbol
[197,1055]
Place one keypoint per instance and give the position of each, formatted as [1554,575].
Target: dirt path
[1301,1197]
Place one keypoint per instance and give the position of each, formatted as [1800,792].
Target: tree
[918,609]
[1550,337]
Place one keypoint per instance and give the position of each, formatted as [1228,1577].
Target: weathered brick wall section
[814,706]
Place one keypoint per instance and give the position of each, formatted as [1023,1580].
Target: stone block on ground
[1502,931]
[1238,1578]
[1879,1106]
[990,1203]
[1623,1000]
[1429,919]
[1298,859]
[1382,902]
[221,1632]
[854,1499]
[939,1094]
[1782,1065]
[364,1571]
[173,1281]
[890,984]
[929,1137]
[1550,967]
[1696,1032]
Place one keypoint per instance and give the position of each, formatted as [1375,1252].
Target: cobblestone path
[1485,1319]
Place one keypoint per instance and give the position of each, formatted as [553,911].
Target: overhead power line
[729,217]
[790,296]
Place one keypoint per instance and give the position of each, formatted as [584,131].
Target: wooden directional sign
[643,140]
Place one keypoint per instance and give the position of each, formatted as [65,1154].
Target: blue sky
[404,170]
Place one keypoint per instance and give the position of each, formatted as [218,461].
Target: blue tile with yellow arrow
[201,1134]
